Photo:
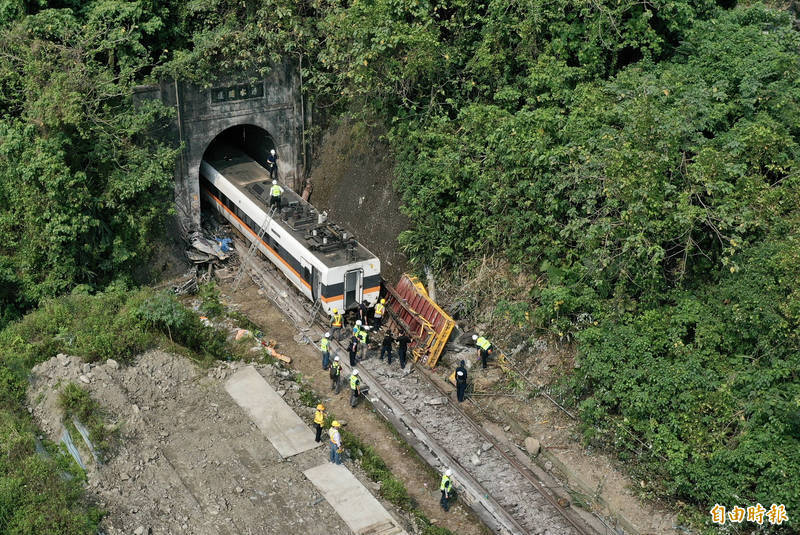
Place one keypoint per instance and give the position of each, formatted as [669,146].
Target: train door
[311,276]
[316,284]
[353,287]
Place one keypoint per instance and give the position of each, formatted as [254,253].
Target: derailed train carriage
[320,258]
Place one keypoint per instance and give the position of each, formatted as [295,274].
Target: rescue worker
[272,164]
[324,346]
[363,338]
[336,443]
[461,380]
[380,309]
[386,346]
[336,324]
[319,419]
[355,388]
[484,348]
[363,311]
[336,374]
[352,349]
[275,193]
[446,486]
[402,346]
[357,327]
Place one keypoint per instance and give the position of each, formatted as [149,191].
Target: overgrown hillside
[639,159]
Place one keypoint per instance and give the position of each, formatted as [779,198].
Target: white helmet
[327,335]
[336,359]
[448,472]
[272,151]
[358,322]
[274,182]
[355,371]
[474,336]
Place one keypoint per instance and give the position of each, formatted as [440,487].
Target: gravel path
[449,427]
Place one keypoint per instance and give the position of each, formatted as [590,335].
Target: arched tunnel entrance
[250,139]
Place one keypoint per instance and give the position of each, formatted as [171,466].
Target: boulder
[533,446]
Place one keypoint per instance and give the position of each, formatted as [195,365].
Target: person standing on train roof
[275,193]
[380,309]
[324,346]
[336,324]
[272,164]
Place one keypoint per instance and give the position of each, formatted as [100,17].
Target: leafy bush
[163,313]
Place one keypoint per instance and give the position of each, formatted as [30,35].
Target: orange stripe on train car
[371,290]
[285,263]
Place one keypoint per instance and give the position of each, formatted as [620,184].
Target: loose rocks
[533,446]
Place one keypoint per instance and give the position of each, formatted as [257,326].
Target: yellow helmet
[320,407]
[335,310]
[336,424]
[383,301]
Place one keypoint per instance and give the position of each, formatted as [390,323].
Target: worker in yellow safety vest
[275,193]
[324,346]
[336,324]
[319,419]
[484,348]
[335,373]
[363,338]
[446,486]
[380,309]
[336,443]
[355,388]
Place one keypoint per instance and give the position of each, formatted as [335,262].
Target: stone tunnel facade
[273,104]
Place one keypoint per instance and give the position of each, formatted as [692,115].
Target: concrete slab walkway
[357,507]
[284,429]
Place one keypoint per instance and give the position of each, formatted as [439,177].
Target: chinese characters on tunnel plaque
[755,513]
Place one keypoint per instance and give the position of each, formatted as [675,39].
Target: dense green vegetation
[639,159]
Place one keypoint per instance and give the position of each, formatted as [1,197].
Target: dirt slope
[190,460]
[353,181]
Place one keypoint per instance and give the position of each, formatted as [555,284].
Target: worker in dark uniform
[272,164]
[386,346]
[363,312]
[461,380]
[352,350]
[275,193]
[485,348]
[336,375]
[402,346]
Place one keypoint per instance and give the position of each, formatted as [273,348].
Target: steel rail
[524,470]
[495,515]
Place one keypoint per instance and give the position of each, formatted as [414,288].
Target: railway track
[501,490]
